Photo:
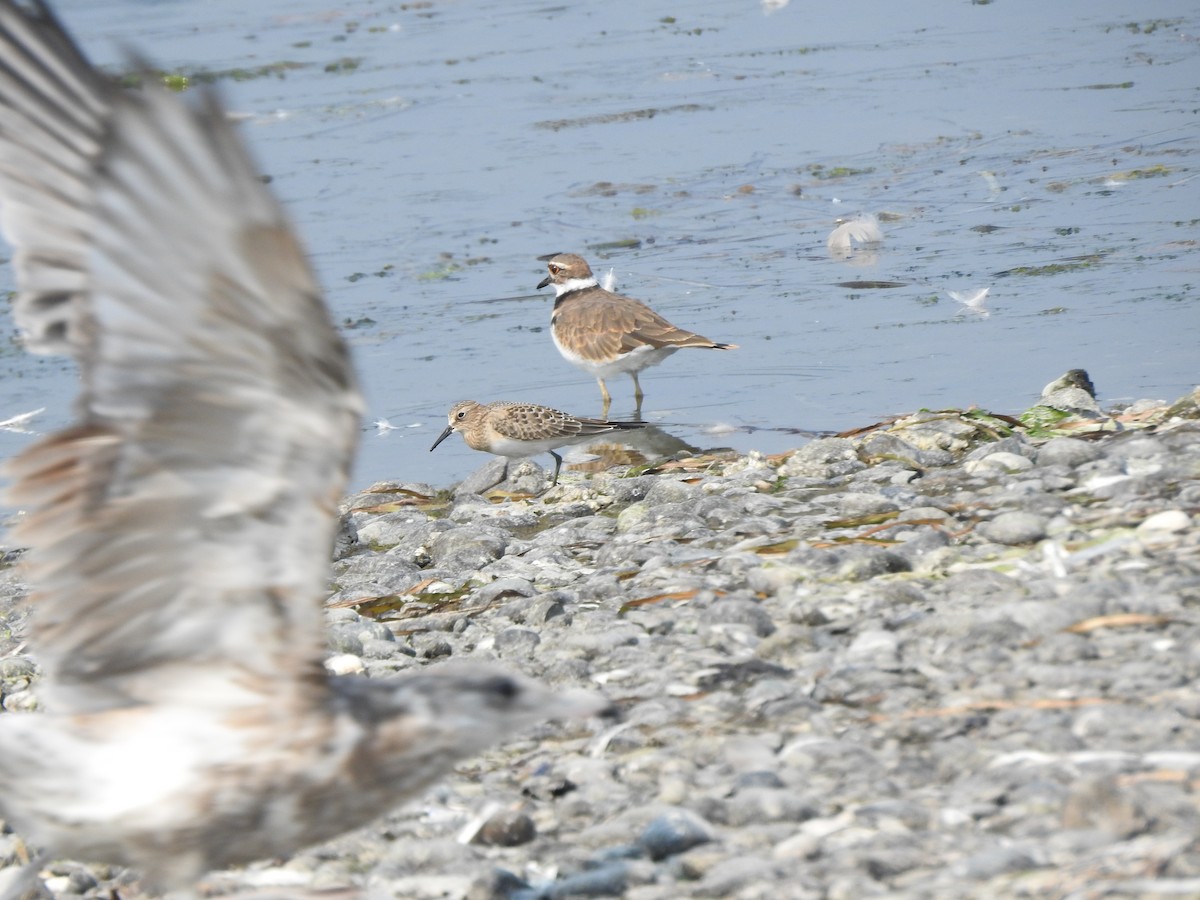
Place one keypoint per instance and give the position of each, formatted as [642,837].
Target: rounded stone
[517,641]
[1065,451]
[736,611]
[855,504]
[1014,528]
[672,833]
[998,462]
[466,549]
[507,828]
[344,639]
[1168,521]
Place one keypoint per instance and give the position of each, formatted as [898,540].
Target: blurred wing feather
[184,525]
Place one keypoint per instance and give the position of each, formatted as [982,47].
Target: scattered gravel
[949,657]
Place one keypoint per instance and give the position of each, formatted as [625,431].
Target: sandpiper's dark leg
[557,466]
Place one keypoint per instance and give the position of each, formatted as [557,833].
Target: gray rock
[672,833]
[484,478]
[389,529]
[503,588]
[517,641]
[727,878]
[754,806]
[743,612]
[608,880]
[1014,445]
[823,458]
[998,462]
[853,505]
[1066,451]
[467,548]
[995,861]
[345,639]
[1014,528]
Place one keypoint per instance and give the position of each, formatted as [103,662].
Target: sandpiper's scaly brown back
[517,430]
[605,333]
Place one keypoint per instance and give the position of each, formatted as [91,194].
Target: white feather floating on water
[861,230]
[608,281]
[972,301]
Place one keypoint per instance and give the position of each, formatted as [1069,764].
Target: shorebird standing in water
[180,531]
[605,333]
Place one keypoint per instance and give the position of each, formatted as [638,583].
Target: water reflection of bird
[180,530]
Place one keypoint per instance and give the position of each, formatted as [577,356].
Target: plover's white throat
[180,531]
[517,430]
[605,333]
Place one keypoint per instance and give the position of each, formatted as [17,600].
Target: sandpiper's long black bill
[441,437]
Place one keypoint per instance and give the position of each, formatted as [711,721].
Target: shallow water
[430,151]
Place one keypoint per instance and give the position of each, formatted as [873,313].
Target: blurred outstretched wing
[180,532]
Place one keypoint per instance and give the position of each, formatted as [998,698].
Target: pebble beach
[951,655]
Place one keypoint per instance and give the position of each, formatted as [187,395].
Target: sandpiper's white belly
[514,449]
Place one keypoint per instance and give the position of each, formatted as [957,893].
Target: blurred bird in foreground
[180,531]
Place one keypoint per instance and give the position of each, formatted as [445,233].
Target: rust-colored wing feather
[185,523]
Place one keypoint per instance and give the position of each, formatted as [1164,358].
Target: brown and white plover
[605,333]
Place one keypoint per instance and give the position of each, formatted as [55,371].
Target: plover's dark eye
[554,270]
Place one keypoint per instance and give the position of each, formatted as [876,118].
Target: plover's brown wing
[602,326]
[596,325]
[180,531]
[643,327]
